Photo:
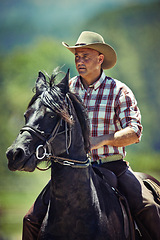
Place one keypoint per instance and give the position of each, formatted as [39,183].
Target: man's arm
[122,138]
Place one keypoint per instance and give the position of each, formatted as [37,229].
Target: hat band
[80,44]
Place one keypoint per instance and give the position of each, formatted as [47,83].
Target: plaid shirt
[111,106]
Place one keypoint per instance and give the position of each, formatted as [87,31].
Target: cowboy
[115,122]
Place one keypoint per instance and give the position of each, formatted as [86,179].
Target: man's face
[88,62]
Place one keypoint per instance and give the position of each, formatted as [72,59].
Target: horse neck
[71,189]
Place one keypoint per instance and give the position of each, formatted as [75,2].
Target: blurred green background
[31,32]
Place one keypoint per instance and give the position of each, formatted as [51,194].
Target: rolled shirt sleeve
[127,110]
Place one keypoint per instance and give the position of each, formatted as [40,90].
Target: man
[115,122]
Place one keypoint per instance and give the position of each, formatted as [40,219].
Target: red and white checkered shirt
[111,106]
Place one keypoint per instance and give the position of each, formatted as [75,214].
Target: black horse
[83,204]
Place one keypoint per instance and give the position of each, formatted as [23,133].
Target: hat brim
[110,56]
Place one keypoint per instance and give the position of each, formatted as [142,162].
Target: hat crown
[88,37]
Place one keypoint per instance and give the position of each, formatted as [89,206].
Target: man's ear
[101,58]
[40,83]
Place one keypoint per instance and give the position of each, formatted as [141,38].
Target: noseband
[47,145]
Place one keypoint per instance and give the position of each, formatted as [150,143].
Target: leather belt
[110,158]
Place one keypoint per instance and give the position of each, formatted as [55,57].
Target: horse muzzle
[19,160]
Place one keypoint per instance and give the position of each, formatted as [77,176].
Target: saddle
[152,184]
[155,188]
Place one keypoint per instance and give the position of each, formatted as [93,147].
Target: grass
[18,193]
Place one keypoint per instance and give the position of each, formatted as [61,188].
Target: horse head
[49,120]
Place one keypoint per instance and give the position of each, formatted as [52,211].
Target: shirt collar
[99,81]
[96,84]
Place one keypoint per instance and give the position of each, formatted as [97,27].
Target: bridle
[49,155]
[46,147]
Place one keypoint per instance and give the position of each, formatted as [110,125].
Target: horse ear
[40,83]
[64,84]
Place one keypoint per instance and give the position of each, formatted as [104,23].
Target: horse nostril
[18,154]
[15,155]
[15,158]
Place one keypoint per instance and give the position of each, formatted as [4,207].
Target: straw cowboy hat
[95,41]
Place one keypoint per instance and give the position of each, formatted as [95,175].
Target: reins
[72,163]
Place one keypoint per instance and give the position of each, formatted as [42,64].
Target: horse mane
[49,85]
[83,119]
